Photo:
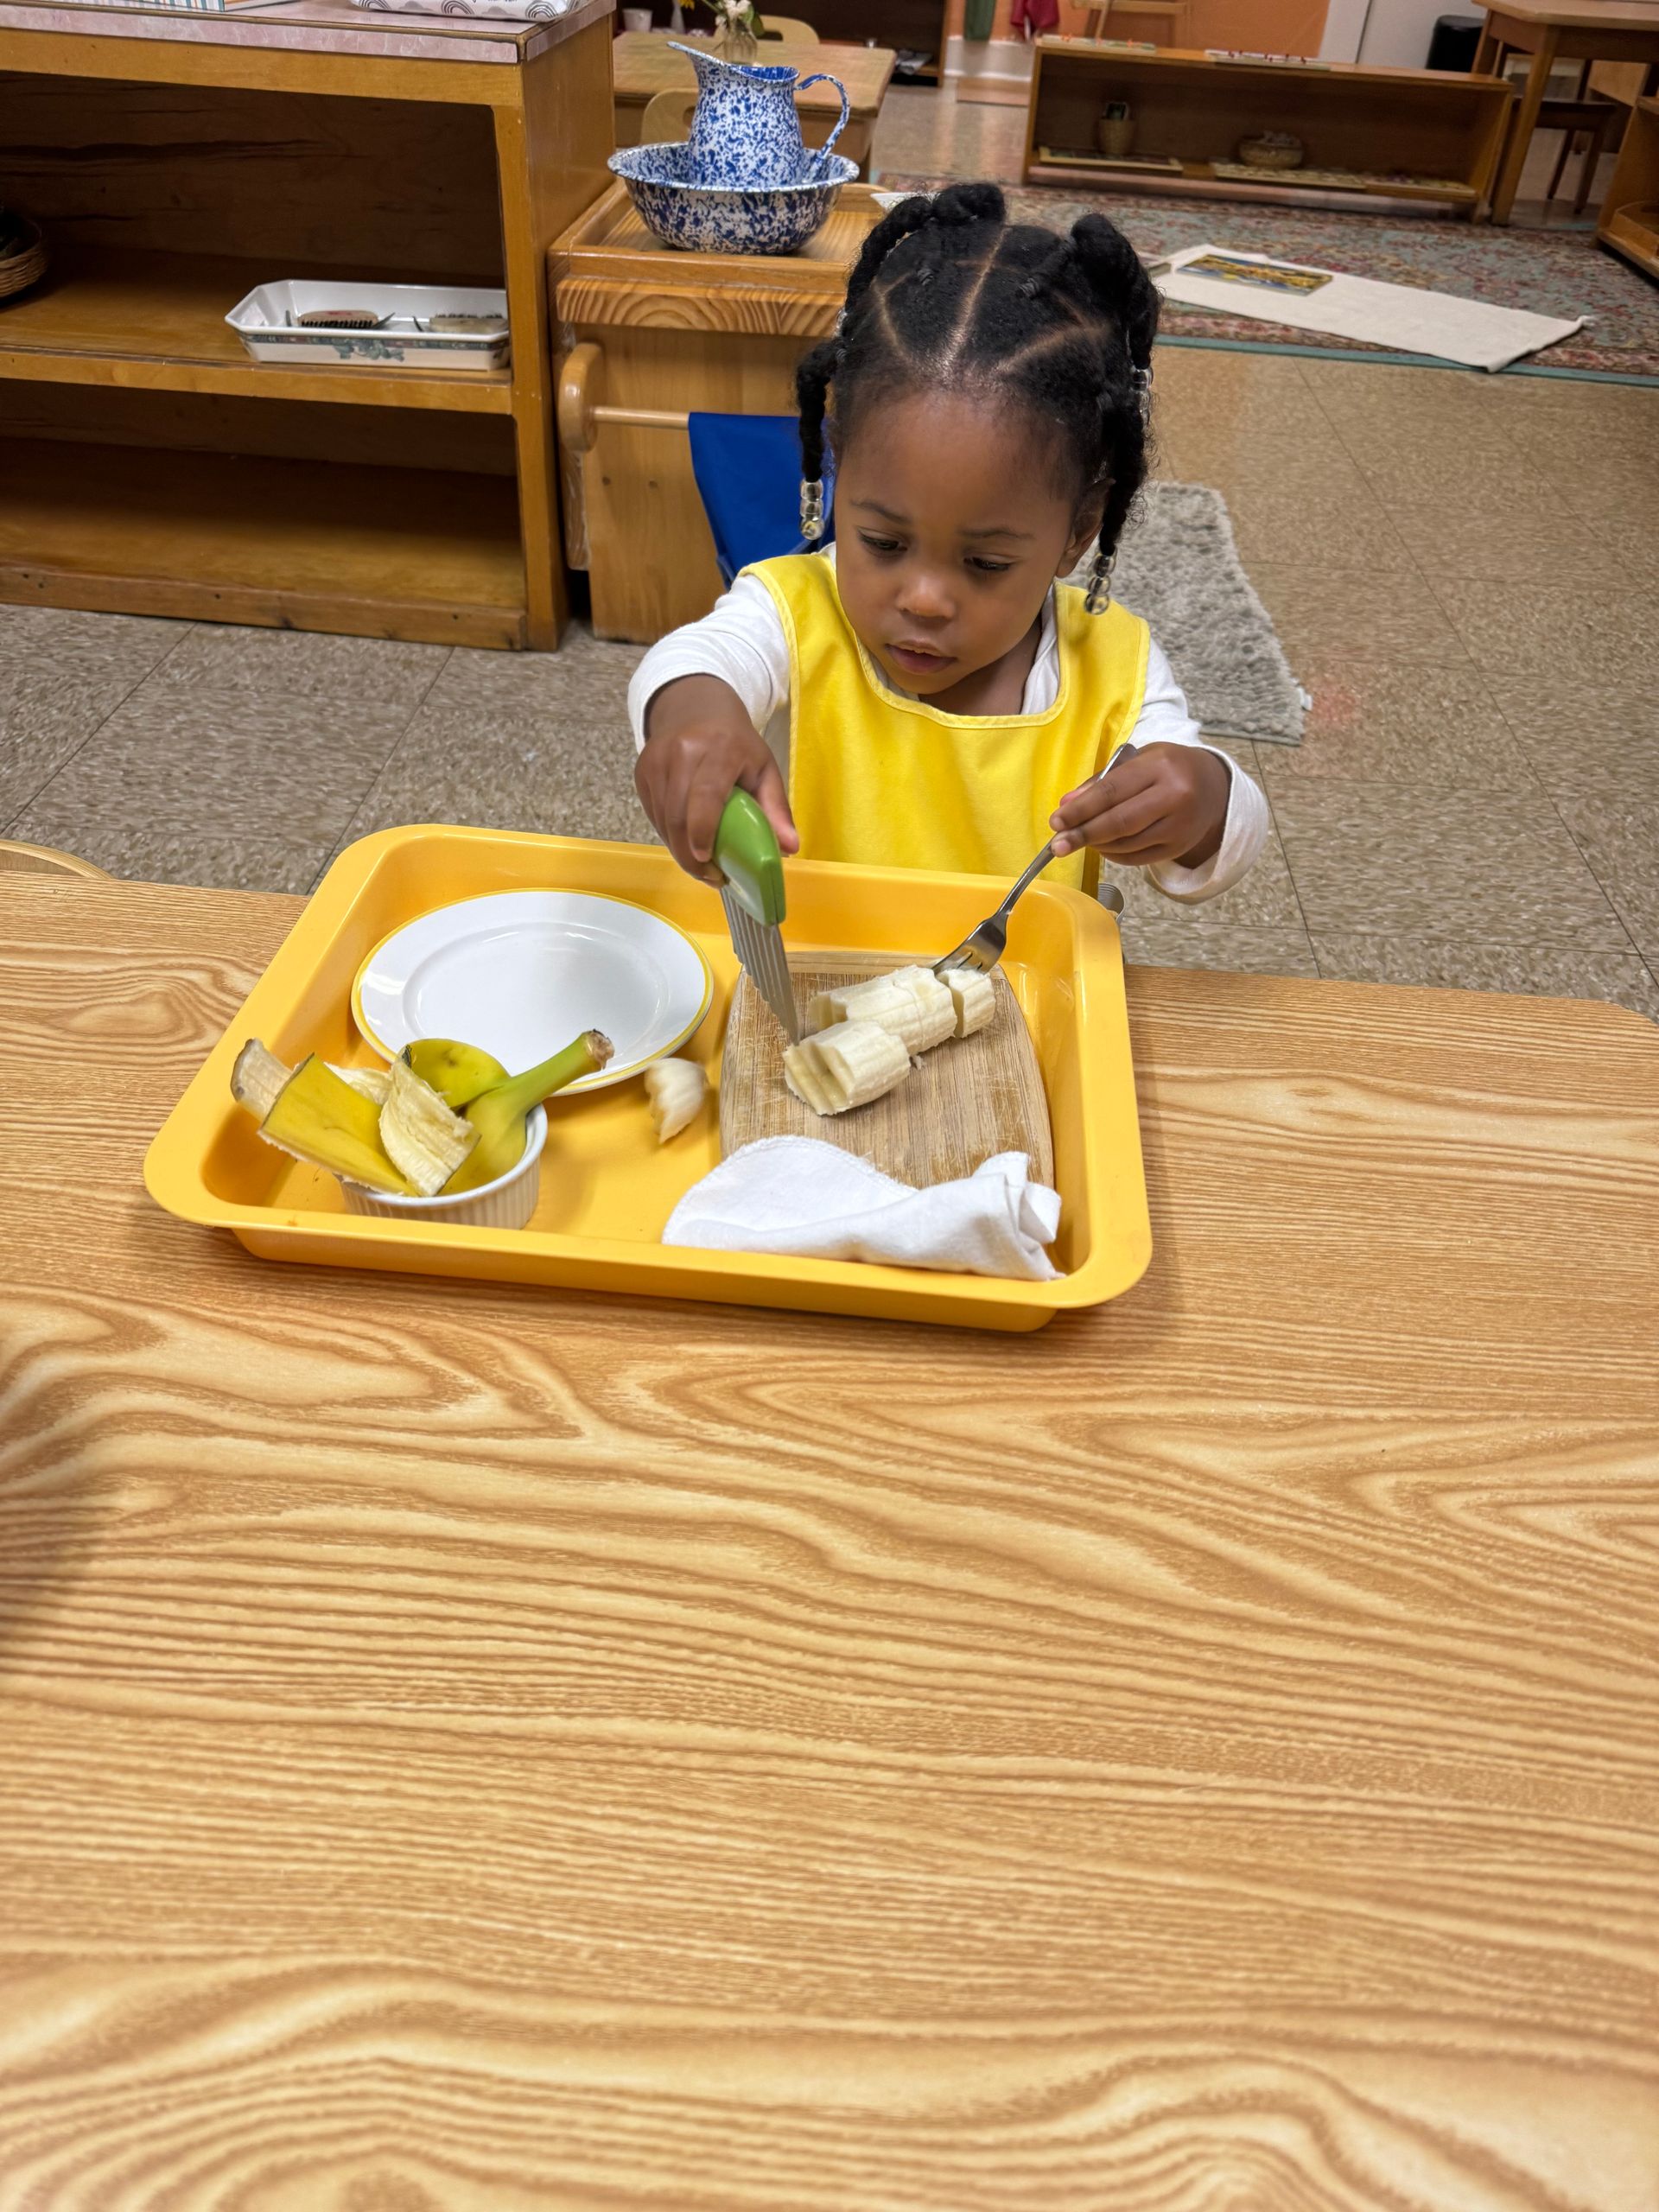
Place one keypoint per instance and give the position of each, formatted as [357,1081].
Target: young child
[986,396]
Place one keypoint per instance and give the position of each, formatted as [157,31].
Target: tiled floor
[1463,569]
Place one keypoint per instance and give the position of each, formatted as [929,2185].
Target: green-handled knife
[747,854]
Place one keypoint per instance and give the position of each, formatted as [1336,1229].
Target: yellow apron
[890,782]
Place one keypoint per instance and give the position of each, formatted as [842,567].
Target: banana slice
[974,997]
[847,1065]
[675,1089]
[911,1003]
[424,1140]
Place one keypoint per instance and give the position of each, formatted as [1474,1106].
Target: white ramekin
[507,1203]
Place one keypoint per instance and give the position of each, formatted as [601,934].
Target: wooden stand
[646,333]
[1434,137]
[147,465]
[1629,214]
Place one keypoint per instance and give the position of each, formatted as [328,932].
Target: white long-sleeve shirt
[742,642]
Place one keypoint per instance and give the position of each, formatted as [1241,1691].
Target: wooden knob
[582,386]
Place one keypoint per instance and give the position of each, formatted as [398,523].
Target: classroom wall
[1266,26]
[1397,32]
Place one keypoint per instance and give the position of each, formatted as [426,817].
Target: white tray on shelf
[268,323]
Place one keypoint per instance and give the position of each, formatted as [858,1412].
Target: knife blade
[747,854]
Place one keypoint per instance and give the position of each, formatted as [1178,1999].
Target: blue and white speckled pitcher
[745,131]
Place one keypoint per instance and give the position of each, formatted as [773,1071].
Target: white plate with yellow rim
[520,973]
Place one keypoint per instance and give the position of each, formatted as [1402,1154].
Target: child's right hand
[700,746]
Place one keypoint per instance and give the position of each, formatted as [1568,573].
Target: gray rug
[1178,568]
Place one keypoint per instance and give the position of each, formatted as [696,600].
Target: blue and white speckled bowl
[727,219]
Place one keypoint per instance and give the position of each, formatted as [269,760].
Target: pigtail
[1117,284]
[812,381]
[1123,295]
[895,227]
[969,203]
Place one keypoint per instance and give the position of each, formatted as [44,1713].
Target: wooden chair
[667,118]
[1178,14]
[790,29]
[18,859]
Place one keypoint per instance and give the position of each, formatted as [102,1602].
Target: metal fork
[983,947]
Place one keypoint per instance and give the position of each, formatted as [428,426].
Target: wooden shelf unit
[1628,223]
[173,164]
[1425,125]
[155,322]
[292,544]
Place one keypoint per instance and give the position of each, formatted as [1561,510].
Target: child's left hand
[1165,803]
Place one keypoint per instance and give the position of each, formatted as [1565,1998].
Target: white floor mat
[1397,316]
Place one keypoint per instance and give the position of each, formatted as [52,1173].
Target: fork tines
[973,952]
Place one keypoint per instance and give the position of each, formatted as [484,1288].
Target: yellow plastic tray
[608,1187]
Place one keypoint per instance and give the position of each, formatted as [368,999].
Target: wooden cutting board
[968,1100]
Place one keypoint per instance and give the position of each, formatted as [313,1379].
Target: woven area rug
[1179,567]
[1550,272]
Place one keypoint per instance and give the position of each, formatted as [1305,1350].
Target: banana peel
[258,1077]
[498,1113]
[392,1129]
[320,1118]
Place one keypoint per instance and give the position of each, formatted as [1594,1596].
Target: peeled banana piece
[427,1142]
[676,1089]
[911,1003]
[973,995]
[847,1065]
[373,1083]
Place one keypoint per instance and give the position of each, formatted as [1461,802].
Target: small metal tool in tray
[747,854]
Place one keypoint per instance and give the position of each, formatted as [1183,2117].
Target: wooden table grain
[463,1750]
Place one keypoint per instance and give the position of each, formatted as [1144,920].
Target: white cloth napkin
[801,1196]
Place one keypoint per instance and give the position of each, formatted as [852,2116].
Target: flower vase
[739,44]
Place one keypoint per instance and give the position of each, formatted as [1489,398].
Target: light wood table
[483,1750]
[1591,30]
[645,63]
[176,160]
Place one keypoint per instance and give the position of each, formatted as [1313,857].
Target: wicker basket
[1274,149]
[22,264]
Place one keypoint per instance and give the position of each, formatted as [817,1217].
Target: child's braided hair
[948,295]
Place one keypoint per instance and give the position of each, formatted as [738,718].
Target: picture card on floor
[1267,275]
[1401,317]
